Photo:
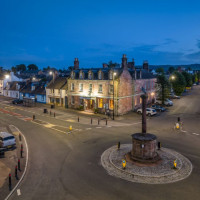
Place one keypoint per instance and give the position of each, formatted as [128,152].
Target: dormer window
[72,75]
[100,75]
[90,75]
[81,75]
[111,75]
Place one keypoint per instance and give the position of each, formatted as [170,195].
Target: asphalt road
[67,166]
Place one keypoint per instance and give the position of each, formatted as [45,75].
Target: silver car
[7,140]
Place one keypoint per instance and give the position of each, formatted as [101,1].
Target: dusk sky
[54,32]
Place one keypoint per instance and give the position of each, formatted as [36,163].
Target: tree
[20,67]
[178,83]
[160,70]
[188,78]
[171,70]
[163,87]
[13,69]
[195,78]
[32,67]
[198,76]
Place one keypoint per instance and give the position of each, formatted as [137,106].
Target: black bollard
[50,112]
[20,137]
[98,121]
[16,176]
[106,122]
[91,120]
[33,117]
[118,145]
[19,165]
[21,152]
[10,182]
[179,119]
[78,118]
[159,145]
[54,114]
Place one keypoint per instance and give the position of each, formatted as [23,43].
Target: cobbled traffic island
[161,173]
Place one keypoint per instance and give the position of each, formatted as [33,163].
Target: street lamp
[7,76]
[52,73]
[172,78]
[114,74]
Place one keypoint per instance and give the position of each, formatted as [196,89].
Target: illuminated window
[100,88]
[81,75]
[90,75]
[111,89]
[111,75]
[111,104]
[81,87]
[72,75]
[72,86]
[140,100]
[135,101]
[100,103]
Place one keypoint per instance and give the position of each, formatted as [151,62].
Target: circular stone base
[161,173]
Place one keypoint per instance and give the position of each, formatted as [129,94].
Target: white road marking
[18,192]
[98,127]
[195,133]
[88,128]
[109,126]
[184,131]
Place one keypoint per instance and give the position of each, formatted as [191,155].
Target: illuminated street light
[173,77]
[7,76]
[33,79]
[152,94]
[50,72]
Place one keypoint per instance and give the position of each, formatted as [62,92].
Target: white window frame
[80,87]
[90,87]
[111,91]
[72,86]
[100,91]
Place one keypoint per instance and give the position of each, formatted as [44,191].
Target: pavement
[65,165]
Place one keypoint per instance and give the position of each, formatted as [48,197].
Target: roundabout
[161,173]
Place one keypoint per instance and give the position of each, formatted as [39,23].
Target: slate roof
[39,88]
[59,83]
[13,85]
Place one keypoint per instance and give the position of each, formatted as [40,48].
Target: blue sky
[54,32]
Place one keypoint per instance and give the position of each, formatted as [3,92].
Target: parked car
[158,108]
[167,102]
[7,140]
[149,111]
[173,96]
[17,101]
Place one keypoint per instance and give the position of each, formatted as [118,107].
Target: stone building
[56,92]
[107,89]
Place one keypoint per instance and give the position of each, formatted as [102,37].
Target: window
[72,75]
[72,86]
[90,75]
[80,87]
[90,88]
[100,88]
[111,104]
[72,100]
[42,98]
[58,91]
[100,103]
[100,75]
[81,75]
[111,75]
[81,102]
[111,89]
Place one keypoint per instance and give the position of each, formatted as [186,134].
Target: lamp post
[52,73]
[114,73]
[172,78]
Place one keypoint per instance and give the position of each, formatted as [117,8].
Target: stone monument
[144,144]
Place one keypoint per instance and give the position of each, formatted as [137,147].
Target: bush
[96,110]
[80,108]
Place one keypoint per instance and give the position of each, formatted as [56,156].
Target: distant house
[12,89]
[56,92]
[10,78]
[34,90]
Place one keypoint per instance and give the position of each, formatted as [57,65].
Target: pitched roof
[58,83]
[39,88]
[13,85]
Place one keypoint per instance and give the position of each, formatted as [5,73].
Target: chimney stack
[140,73]
[135,74]
[105,65]
[124,61]
[76,63]
[146,65]
[131,65]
